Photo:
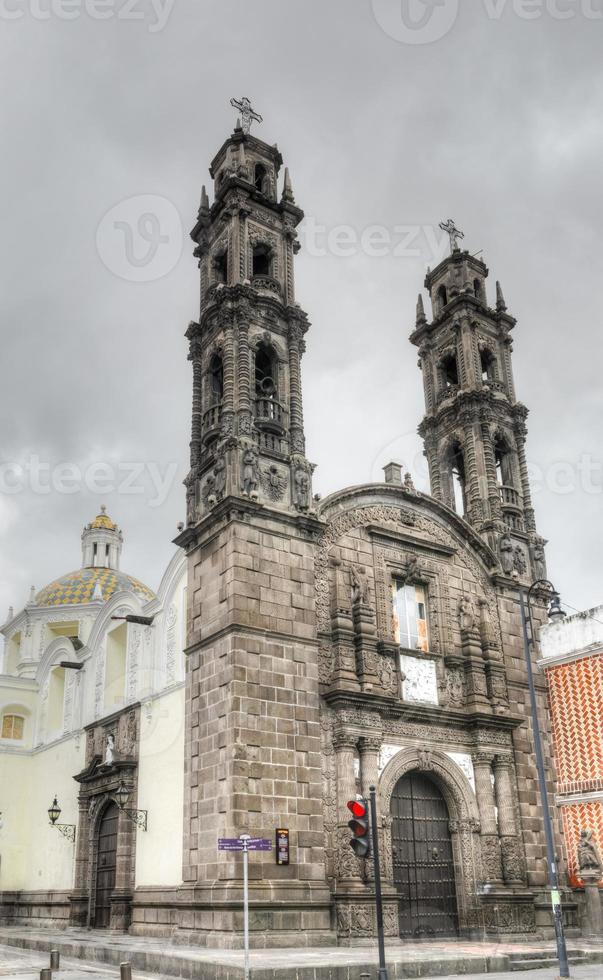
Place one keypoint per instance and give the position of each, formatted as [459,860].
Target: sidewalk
[442,959]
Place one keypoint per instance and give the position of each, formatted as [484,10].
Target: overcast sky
[382,122]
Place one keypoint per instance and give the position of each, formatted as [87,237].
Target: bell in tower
[474,429]
[248,433]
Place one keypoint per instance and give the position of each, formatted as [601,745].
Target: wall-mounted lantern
[66,829]
[122,796]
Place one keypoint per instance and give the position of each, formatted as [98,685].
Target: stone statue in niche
[507,558]
[360,587]
[110,750]
[466,614]
[220,477]
[519,560]
[589,858]
[301,489]
[250,472]
[539,559]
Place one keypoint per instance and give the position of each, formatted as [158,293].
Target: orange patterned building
[572,653]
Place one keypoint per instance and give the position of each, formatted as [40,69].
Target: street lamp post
[555,613]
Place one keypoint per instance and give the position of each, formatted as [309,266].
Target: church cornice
[393,708]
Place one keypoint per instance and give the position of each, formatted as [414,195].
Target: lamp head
[54,811]
[122,796]
[556,613]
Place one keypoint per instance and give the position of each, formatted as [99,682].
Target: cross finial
[248,114]
[453,233]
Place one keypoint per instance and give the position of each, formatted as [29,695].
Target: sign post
[379,901]
[245,843]
[245,838]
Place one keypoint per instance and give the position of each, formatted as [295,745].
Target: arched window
[265,372]
[115,667]
[261,178]
[221,267]
[488,365]
[442,297]
[216,379]
[458,478]
[450,370]
[13,727]
[262,260]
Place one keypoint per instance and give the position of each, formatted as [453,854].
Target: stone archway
[463,824]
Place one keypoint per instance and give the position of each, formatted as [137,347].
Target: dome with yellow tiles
[91,585]
[102,521]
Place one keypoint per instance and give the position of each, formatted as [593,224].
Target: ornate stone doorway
[106,865]
[422,858]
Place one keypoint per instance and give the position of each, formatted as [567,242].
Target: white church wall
[35,856]
[161,791]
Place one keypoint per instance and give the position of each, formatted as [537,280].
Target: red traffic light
[359,825]
[358,808]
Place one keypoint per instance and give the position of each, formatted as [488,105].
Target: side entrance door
[422,859]
[106,866]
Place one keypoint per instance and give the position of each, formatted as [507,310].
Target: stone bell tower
[248,430]
[252,756]
[474,429]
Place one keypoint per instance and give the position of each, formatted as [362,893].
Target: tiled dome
[81,586]
[103,521]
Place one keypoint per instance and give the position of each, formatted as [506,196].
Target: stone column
[347,865]
[296,422]
[197,425]
[78,899]
[528,509]
[593,928]
[244,387]
[512,854]
[228,363]
[370,749]
[482,765]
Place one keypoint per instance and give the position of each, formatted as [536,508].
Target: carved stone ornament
[507,557]
[454,688]
[274,483]
[301,489]
[360,587]
[520,564]
[466,614]
[589,857]
[250,472]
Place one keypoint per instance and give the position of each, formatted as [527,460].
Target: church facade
[369,639]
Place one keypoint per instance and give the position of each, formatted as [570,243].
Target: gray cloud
[497,124]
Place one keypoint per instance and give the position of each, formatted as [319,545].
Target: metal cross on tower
[453,233]
[248,114]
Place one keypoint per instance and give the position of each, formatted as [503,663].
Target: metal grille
[106,865]
[423,859]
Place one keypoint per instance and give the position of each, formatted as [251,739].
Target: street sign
[230,844]
[259,844]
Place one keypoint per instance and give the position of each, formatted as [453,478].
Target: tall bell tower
[246,349]
[253,738]
[474,429]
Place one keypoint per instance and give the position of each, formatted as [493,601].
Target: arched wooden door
[106,864]
[422,859]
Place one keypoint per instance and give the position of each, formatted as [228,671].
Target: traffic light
[359,825]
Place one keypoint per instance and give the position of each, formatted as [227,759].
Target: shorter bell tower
[474,429]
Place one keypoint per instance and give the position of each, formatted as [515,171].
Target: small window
[488,365]
[410,616]
[13,727]
[450,371]
[459,479]
[442,297]
[221,267]
[265,373]
[262,261]
[261,178]
[216,379]
[477,288]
